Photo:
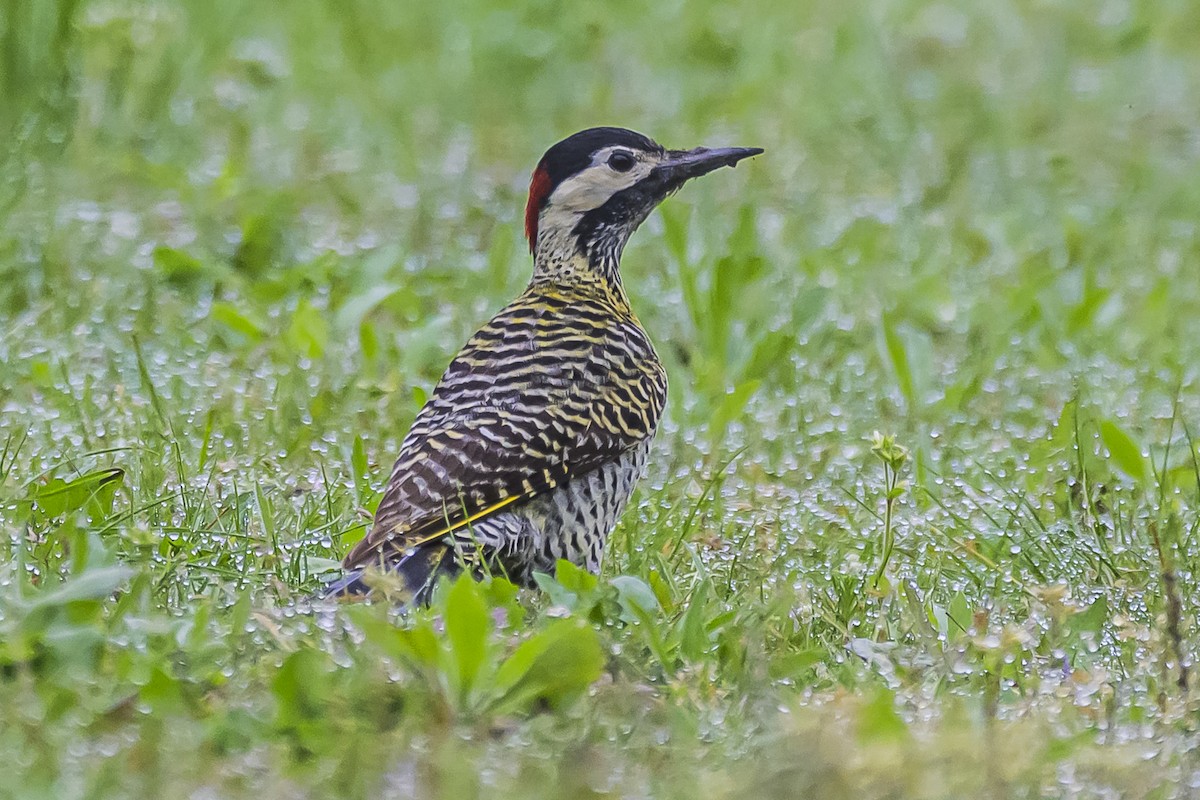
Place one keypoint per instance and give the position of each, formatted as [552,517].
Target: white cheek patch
[591,187]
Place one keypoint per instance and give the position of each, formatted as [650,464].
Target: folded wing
[535,399]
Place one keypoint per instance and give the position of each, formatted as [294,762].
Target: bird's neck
[559,258]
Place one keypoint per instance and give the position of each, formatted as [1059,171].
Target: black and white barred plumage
[533,440]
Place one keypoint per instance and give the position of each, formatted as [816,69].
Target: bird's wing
[530,402]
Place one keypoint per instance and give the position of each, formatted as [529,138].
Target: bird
[529,447]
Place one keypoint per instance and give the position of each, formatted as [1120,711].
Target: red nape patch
[539,188]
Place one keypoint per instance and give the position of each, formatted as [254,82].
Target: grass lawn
[240,241]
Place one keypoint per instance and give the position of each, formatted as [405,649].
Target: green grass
[239,242]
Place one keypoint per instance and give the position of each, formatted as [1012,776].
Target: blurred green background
[240,241]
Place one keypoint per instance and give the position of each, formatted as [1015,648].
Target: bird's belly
[572,522]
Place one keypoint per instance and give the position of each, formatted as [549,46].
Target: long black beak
[683,165]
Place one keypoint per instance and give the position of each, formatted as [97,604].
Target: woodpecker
[530,445]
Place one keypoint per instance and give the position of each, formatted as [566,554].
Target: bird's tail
[411,580]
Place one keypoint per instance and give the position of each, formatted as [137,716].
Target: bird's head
[592,190]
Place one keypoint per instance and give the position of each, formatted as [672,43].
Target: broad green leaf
[420,645]
[417,645]
[1124,451]
[572,587]
[298,686]
[467,628]
[176,265]
[309,332]
[878,719]
[57,497]
[262,239]
[575,578]
[636,597]
[501,594]
[959,615]
[662,588]
[554,590]
[793,664]
[693,635]
[322,566]
[94,584]
[162,692]
[235,320]
[554,666]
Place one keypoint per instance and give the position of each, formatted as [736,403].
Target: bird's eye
[621,161]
